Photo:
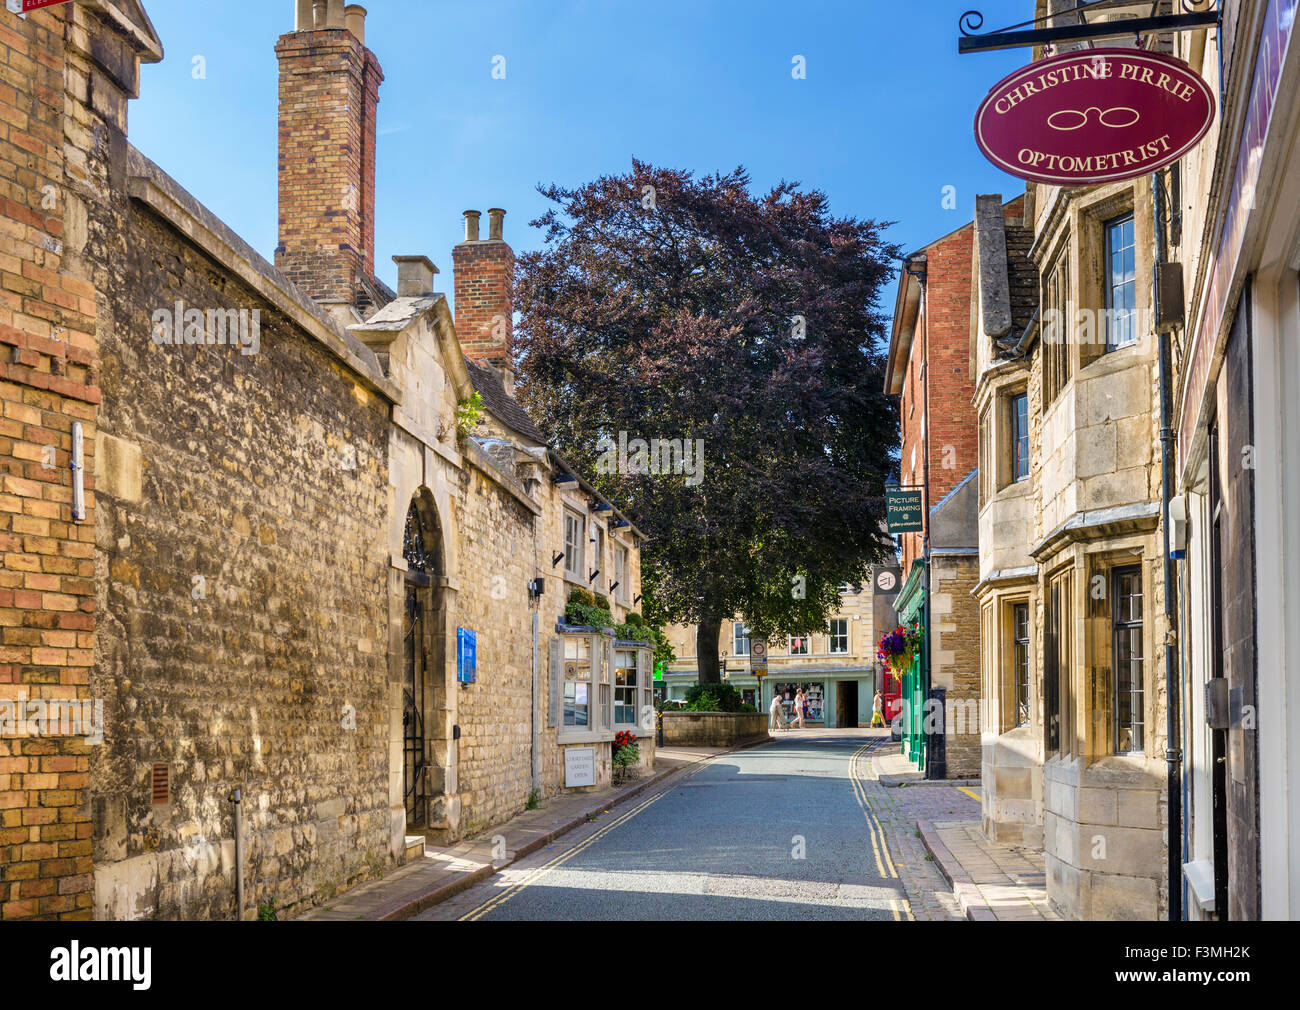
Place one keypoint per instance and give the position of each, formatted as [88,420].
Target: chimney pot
[334,14]
[355,15]
[304,16]
[471,225]
[495,216]
[414,276]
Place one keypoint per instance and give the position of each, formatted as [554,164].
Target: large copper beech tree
[690,311]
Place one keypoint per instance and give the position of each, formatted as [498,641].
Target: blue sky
[882,122]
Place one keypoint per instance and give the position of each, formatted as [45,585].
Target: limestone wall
[242,586]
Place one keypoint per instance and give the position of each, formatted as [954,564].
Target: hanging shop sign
[35,5]
[887,581]
[1093,116]
[903,507]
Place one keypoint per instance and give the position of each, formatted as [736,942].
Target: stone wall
[243,590]
[955,658]
[712,729]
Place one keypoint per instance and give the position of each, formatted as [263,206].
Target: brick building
[930,371]
[287,544]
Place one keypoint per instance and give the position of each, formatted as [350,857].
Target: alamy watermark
[48,717]
[217,327]
[659,456]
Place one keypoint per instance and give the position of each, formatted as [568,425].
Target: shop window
[740,638]
[624,589]
[985,457]
[838,638]
[1121,284]
[1018,418]
[573,542]
[577,681]
[1057,329]
[800,646]
[1126,623]
[1056,662]
[625,688]
[1020,660]
[814,700]
[598,558]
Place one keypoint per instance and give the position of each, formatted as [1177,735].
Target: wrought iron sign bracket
[1194,15]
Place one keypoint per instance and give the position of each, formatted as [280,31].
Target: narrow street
[795,829]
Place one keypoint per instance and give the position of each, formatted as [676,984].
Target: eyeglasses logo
[1117,118]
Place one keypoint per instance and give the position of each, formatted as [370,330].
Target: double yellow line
[560,860]
[879,845]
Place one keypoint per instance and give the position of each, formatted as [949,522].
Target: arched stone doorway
[422,658]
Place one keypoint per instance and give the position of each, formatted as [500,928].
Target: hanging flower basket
[898,648]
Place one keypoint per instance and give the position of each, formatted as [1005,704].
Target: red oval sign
[1096,115]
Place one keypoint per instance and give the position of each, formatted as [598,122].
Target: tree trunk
[706,650]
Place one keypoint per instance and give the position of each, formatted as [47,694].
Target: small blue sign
[466,656]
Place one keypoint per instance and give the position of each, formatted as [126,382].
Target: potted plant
[627,755]
[899,647]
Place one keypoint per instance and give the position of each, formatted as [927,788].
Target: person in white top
[776,714]
[798,708]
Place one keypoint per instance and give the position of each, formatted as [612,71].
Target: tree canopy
[745,330]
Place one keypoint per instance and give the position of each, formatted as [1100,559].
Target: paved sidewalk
[896,770]
[991,881]
[444,872]
[898,809]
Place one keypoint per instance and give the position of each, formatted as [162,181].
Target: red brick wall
[329,93]
[954,427]
[47,381]
[485,273]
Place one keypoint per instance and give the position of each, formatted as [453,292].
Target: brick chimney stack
[485,293]
[329,96]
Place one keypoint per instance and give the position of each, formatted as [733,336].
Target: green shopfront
[911,610]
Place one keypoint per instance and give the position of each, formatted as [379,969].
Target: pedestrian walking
[878,709]
[798,708]
[776,714]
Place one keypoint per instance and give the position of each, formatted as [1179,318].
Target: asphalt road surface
[778,832]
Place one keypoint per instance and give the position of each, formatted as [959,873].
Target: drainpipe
[536,780]
[235,798]
[922,275]
[1173,752]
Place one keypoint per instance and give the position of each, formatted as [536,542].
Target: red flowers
[623,739]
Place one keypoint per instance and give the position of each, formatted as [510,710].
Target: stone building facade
[294,575]
[1071,572]
[837,667]
[930,371]
[1234,237]
[1066,759]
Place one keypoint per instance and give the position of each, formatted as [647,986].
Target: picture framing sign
[1094,116]
[903,508]
[579,766]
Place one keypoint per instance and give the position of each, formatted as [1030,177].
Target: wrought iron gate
[413,745]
